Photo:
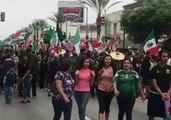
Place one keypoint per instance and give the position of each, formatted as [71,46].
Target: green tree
[100,6]
[139,0]
[42,24]
[57,18]
[154,15]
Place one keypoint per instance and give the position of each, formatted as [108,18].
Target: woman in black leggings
[105,87]
[126,84]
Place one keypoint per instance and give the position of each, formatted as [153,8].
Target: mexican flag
[29,43]
[150,44]
[19,35]
[99,39]
[77,42]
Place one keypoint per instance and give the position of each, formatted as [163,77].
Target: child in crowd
[9,81]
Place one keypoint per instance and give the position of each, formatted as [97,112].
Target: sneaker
[28,101]
[7,102]
[34,96]
[23,101]
[49,94]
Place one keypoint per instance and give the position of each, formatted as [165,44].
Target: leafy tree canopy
[154,15]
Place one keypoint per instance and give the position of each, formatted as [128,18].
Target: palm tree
[39,24]
[100,6]
[42,23]
[57,18]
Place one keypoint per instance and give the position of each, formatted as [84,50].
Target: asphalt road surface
[41,108]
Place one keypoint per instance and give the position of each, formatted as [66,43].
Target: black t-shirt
[162,76]
[10,78]
[145,67]
[134,62]
[8,63]
[23,68]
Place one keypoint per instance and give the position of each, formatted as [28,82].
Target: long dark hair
[101,64]
[82,60]
[65,65]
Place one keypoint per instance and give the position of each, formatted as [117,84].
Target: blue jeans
[82,100]
[60,106]
[8,93]
[33,84]
[26,89]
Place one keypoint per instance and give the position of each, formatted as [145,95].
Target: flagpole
[37,24]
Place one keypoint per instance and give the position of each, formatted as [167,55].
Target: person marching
[9,81]
[84,78]
[63,91]
[25,77]
[161,87]
[126,84]
[105,94]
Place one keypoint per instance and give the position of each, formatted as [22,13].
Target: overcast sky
[20,13]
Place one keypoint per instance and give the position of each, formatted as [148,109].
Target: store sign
[74,14]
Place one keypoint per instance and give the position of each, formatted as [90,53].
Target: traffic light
[102,20]
[2,16]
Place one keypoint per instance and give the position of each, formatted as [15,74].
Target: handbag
[167,109]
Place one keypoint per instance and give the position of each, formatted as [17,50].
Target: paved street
[41,109]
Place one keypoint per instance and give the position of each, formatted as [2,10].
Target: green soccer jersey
[127,83]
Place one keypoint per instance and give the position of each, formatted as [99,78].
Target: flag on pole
[27,36]
[99,39]
[19,35]
[35,47]
[53,36]
[29,43]
[77,42]
[14,44]
[97,43]
[59,32]
[91,45]
[7,41]
[150,44]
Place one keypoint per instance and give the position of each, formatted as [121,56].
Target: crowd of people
[86,75]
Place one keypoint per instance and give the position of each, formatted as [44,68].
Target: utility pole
[86,23]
